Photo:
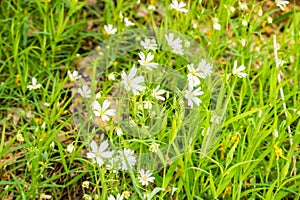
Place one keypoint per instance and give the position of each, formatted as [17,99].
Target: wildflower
[34,85]
[270,20]
[20,137]
[244,22]
[87,197]
[275,133]
[243,6]
[187,44]
[70,148]
[278,152]
[98,95]
[126,194]
[85,91]
[119,131]
[239,71]
[133,83]
[178,6]
[52,145]
[193,75]
[156,93]
[103,111]
[145,177]
[146,61]
[154,147]
[171,41]
[177,49]
[243,42]
[147,105]
[111,76]
[85,184]
[204,68]
[74,75]
[281,4]
[98,154]
[151,7]
[215,119]
[192,96]
[118,197]
[127,156]
[149,44]
[128,22]
[216,24]
[109,29]
[260,12]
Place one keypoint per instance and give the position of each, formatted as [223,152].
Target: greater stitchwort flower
[131,82]
[145,177]
[100,153]
[281,4]
[149,44]
[109,29]
[102,111]
[192,96]
[178,6]
[146,60]
[34,85]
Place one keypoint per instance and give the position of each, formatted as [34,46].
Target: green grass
[46,39]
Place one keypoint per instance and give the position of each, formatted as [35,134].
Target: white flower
[216,24]
[177,49]
[193,80]
[149,44]
[85,184]
[85,91]
[178,6]
[20,137]
[151,7]
[34,85]
[98,95]
[127,155]
[70,148]
[109,29]
[156,93]
[119,131]
[133,83]
[174,43]
[243,42]
[244,22]
[147,105]
[193,75]
[270,20]
[99,154]
[118,197]
[145,177]
[281,4]
[171,41]
[111,76]
[154,147]
[192,96]
[239,71]
[187,44]
[128,22]
[74,75]
[103,111]
[204,68]
[146,61]
[243,6]
[87,197]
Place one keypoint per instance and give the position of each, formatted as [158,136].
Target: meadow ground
[149,99]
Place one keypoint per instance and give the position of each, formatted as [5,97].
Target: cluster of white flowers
[203,70]
[114,160]
[175,44]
